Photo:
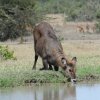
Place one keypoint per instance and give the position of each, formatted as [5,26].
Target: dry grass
[87,52]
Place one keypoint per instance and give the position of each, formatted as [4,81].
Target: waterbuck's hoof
[43,68]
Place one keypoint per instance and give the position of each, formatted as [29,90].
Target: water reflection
[59,93]
[52,92]
[44,92]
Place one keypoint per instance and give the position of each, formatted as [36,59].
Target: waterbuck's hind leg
[35,61]
[45,65]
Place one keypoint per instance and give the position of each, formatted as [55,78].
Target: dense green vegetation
[16,15]
[76,10]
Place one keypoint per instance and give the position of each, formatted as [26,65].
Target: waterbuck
[49,48]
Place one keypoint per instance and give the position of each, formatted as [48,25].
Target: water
[82,91]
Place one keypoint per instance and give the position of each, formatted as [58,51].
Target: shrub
[5,53]
[15,16]
[98,26]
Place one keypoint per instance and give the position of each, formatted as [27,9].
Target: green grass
[88,70]
[17,77]
[21,76]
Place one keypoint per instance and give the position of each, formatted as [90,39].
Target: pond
[79,91]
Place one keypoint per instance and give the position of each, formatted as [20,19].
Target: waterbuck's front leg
[50,67]
[45,64]
[56,68]
[35,61]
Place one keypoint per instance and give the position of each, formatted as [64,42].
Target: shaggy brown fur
[49,48]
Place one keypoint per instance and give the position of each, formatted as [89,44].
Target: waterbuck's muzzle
[73,80]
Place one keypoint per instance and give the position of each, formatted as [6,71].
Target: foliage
[98,26]
[76,10]
[8,30]
[15,17]
[5,53]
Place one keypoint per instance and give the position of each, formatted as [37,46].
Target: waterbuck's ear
[74,60]
[63,60]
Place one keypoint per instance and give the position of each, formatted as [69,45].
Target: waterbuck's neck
[59,54]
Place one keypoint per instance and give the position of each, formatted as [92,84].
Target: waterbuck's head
[70,68]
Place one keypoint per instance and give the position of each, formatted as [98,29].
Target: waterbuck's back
[45,40]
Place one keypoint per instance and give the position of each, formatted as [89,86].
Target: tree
[15,17]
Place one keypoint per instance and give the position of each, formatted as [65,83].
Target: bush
[98,26]
[8,30]
[98,14]
[5,53]
[15,16]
